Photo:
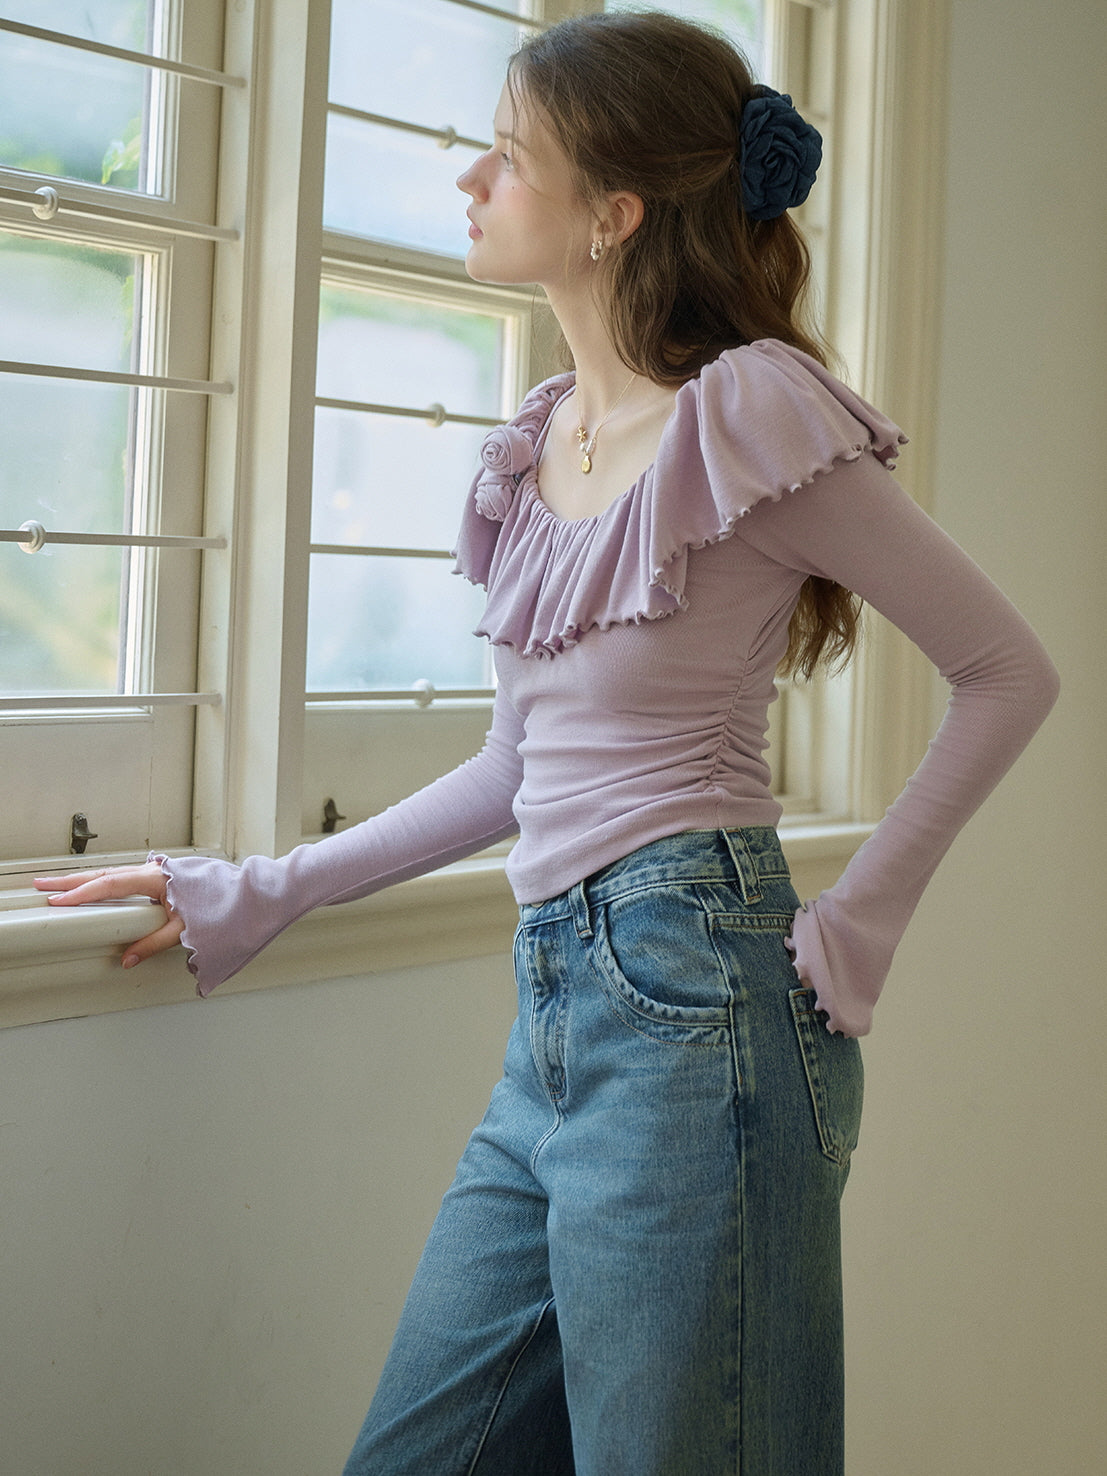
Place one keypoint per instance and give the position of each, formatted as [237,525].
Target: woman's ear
[624,215]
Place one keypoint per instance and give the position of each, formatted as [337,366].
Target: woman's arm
[857,526]
[226,914]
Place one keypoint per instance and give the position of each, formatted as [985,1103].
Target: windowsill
[60,963]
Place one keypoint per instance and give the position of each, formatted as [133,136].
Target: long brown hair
[648,103]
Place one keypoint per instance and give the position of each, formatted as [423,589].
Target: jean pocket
[835,1077]
[659,970]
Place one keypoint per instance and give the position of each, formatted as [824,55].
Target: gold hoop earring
[597,249]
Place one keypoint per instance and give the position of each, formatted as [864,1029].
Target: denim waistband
[742,855]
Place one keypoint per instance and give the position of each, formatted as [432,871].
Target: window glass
[742,20]
[424,62]
[421,61]
[402,351]
[67,302]
[66,445]
[68,462]
[379,349]
[388,623]
[125,23]
[381,480]
[370,470]
[60,619]
[391,481]
[105,131]
[394,186]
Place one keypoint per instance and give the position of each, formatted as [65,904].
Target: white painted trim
[58,963]
[254,616]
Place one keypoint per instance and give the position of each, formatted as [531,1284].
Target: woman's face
[527,222]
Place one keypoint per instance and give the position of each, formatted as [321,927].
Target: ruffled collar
[759,421]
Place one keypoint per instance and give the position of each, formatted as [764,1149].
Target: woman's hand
[109,886]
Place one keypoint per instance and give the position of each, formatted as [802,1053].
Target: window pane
[380,623]
[67,466]
[125,23]
[66,457]
[69,462]
[371,470]
[62,302]
[423,61]
[386,482]
[103,134]
[60,619]
[742,20]
[395,187]
[402,351]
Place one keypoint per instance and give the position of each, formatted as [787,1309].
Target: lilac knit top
[635,652]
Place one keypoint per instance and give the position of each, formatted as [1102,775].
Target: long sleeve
[232,912]
[857,526]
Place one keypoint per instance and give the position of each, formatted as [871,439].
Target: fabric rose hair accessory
[780,155]
[506,453]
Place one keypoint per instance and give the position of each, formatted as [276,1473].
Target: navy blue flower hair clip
[779,155]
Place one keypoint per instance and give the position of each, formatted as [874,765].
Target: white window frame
[884,180]
[366,753]
[139,783]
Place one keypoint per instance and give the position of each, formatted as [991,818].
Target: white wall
[210,1212]
[977,1211]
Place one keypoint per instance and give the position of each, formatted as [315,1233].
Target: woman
[637,1267]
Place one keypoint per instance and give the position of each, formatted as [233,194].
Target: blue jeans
[636,1271]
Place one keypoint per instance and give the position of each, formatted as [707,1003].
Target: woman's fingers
[105,886]
[167,936]
[66,883]
[112,885]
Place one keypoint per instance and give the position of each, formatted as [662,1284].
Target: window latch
[330,816]
[80,835]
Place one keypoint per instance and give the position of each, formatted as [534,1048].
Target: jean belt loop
[745,867]
[578,905]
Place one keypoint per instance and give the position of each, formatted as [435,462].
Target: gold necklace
[588,442]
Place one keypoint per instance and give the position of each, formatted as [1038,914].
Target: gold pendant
[586,463]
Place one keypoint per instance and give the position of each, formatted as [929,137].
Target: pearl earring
[597,249]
